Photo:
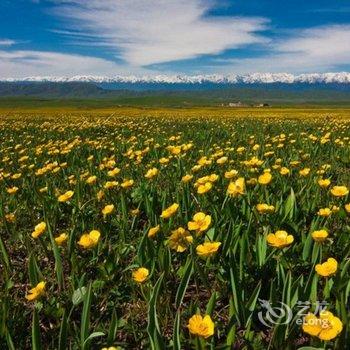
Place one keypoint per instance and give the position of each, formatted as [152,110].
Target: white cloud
[7,42]
[155,31]
[315,49]
[22,63]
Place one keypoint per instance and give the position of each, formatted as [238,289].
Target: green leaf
[188,270]
[254,298]
[85,318]
[36,341]
[62,341]
[211,304]
[210,234]
[153,330]
[176,333]
[4,254]
[307,246]
[57,256]
[289,207]
[113,327]
[9,341]
[33,270]
[78,295]
[92,336]
[237,305]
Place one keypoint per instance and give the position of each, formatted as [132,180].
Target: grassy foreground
[174,228]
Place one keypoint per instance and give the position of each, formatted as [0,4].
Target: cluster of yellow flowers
[120,194]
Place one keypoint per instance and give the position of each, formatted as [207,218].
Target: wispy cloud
[337,9]
[23,63]
[138,35]
[315,49]
[155,31]
[7,42]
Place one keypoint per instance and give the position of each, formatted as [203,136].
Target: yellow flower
[304,172]
[61,239]
[319,236]
[164,160]
[328,268]
[222,160]
[207,249]
[140,275]
[204,161]
[10,218]
[127,183]
[200,222]
[347,207]
[280,239]
[135,212]
[196,168]
[311,325]
[170,211]
[100,195]
[153,231]
[230,174]
[114,172]
[339,191]
[204,188]
[12,190]
[108,209]
[335,209]
[110,184]
[330,324]
[236,188]
[252,181]
[39,229]
[324,182]
[187,178]
[264,208]
[324,212]
[265,178]
[151,173]
[89,240]
[175,150]
[326,327]
[36,292]
[91,180]
[201,326]
[284,171]
[180,239]
[213,177]
[66,196]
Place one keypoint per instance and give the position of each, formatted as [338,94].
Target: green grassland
[158,101]
[81,188]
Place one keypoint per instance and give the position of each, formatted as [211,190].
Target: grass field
[152,228]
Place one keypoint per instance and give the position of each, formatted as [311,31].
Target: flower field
[174,231]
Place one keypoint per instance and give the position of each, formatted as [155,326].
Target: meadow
[174,228]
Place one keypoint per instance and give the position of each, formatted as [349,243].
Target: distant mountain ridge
[179,94]
[254,78]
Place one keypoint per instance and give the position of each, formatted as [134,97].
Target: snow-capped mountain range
[255,78]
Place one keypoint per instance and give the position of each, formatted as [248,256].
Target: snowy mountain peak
[254,78]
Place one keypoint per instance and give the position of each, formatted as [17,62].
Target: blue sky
[110,37]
